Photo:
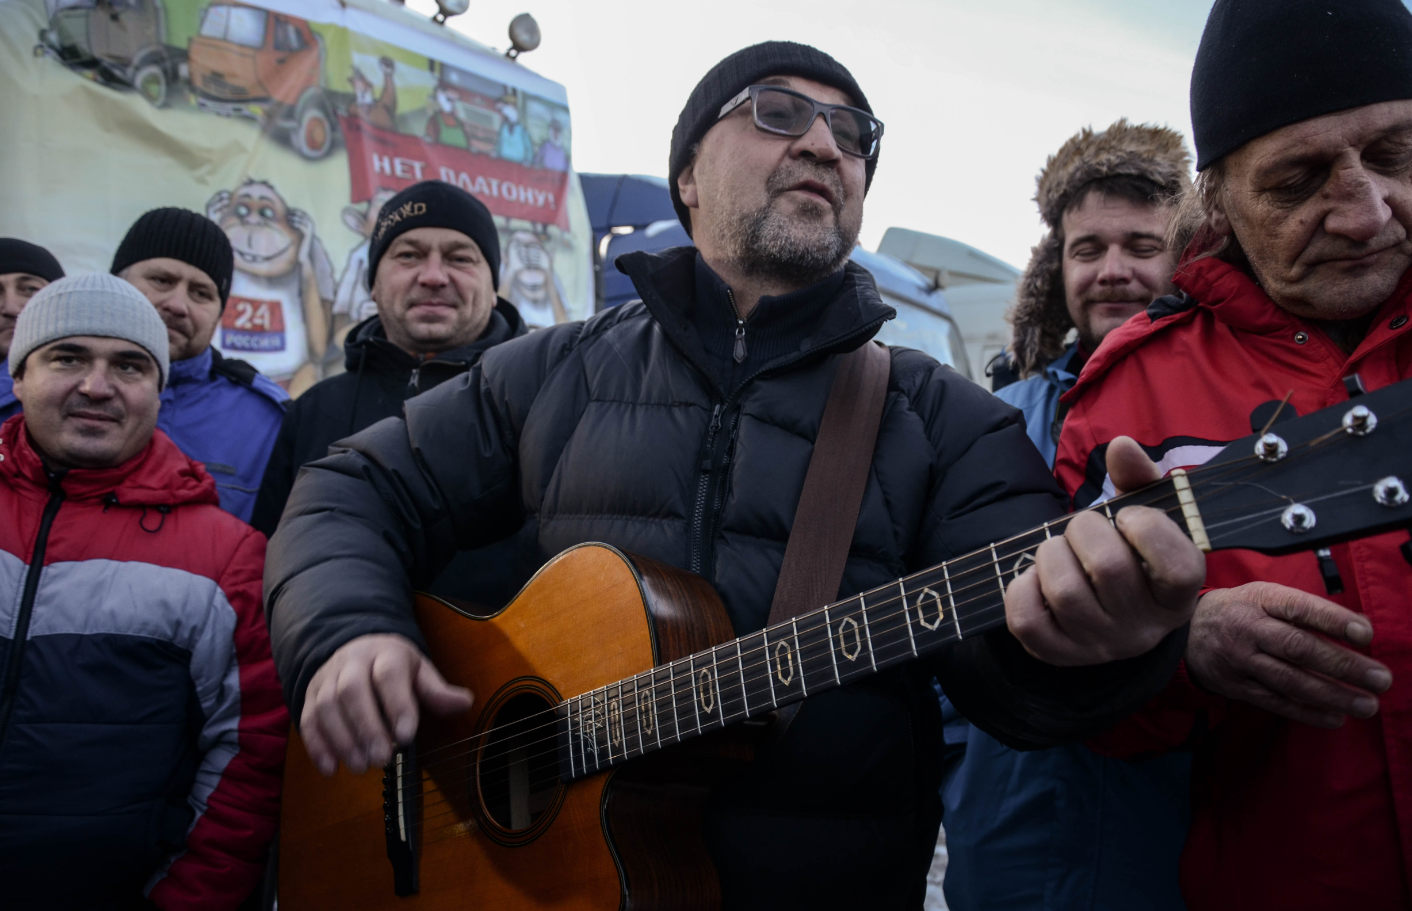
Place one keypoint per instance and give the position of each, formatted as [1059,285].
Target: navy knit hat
[1265,64]
[182,235]
[745,68]
[435,204]
[22,256]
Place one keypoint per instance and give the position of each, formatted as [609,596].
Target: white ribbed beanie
[90,304]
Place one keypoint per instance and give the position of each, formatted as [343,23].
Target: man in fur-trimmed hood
[1112,830]
[1106,197]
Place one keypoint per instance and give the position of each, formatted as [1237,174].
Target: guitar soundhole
[518,770]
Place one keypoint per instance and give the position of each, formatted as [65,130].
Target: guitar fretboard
[818,651]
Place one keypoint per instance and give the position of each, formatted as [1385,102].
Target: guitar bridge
[401,811]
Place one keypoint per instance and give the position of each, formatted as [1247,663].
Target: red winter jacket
[1283,815]
[142,729]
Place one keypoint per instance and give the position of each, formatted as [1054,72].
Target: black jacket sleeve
[990,484]
[385,511]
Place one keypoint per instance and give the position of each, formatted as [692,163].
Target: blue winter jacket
[1038,398]
[1062,829]
[224,414]
[218,411]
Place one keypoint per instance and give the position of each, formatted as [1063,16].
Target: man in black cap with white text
[1294,294]
[680,428]
[219,411]
[433,270]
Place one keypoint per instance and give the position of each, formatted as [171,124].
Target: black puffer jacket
[379,378]
[612,430]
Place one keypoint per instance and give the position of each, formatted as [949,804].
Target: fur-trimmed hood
[1040,317]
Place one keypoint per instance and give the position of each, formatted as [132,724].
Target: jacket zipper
[739,352]
[718,500]
[17,645]
[703,489]
[701,523]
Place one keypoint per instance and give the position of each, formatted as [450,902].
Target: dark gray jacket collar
[367,345]
[667,283]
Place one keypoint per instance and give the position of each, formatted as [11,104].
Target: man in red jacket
[1297,695]
[142,729]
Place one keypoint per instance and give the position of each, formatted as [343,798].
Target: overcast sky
[974,96]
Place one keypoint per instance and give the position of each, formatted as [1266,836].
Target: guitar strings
[629,719]
[633,708]
[1198,471]
[988,569]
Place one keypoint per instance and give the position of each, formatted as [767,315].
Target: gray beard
[766,243]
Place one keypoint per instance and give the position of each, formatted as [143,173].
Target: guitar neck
[814,652]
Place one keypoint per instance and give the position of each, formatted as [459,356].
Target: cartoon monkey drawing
[278,315]
[527,280]
[380,111]
[353,303]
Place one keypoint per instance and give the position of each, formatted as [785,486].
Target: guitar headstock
[1340,473]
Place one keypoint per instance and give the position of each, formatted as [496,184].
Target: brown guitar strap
[833,486]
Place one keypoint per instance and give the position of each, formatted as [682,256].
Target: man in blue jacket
[1064,827]
[25,268]
[219,411]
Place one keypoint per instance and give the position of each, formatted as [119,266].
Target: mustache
[80,403]
[793,172]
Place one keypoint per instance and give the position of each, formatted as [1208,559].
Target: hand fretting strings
[632,708]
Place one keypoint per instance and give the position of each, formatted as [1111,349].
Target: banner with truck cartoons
[290,123]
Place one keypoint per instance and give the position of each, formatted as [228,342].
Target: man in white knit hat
[133,649]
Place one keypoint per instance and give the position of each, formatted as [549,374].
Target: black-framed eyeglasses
[786,112]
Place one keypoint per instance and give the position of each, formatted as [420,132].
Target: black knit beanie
[22,256]
[182,235]
[745,68]
[1265,64]
[435,204]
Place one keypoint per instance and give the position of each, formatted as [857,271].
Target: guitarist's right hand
[367,697]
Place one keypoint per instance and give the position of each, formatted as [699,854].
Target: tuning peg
[1271,448]
[1360,421]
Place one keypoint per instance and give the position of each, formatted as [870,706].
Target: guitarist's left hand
[1099,594]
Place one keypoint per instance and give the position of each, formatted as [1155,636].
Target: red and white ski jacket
[142,729]
[1283,815]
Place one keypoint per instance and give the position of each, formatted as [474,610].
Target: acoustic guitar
[576,780]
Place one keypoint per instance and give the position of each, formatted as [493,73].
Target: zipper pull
[739,353]
[716,418]
[413,381]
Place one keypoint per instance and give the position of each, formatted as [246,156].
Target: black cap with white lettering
[435,204]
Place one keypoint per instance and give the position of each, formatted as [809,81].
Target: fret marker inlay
[936,605]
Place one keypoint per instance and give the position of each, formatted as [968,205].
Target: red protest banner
[382,159]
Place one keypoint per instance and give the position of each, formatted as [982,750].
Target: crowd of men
[192,560]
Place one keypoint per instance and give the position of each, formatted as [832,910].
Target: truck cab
[249,61]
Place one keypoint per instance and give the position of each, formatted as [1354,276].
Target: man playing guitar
[680,428]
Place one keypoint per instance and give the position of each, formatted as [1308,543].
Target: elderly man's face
[434,290]
[89,402]
[775,205]
[1323,209]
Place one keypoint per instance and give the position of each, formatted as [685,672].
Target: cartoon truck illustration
[118,42]
[465,109]
[252,62]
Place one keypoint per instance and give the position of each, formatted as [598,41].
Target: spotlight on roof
[449,8]
[524,35]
